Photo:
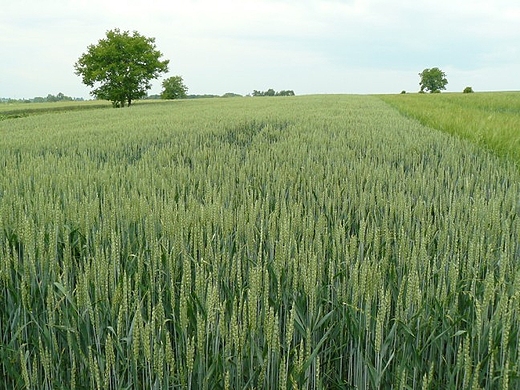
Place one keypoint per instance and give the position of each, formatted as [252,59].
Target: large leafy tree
[121,66]
[433,80]
[174,88]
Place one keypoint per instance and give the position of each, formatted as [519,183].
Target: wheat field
[314,242]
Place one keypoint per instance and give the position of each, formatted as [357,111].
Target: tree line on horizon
[50,98]
[272,92]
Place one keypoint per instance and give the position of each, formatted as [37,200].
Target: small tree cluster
[468,90]
[60,97]
[174,88]
[271,92]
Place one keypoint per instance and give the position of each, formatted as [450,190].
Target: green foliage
[315,242]
[60,97]
[174,88]
[285,93]
[269,92]
[231,94]
[433,80]
[272,92]
[121,66]
[468,90]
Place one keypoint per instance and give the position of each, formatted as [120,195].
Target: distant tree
[433,80]
[174,88]
[121,66]
[468,90]
[272,92]
[51,98]
[231,94]
[61,97]
[403,92]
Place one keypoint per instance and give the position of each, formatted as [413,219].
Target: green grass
[298,242]
[490,119]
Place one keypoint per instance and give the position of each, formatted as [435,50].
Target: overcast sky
[309,46]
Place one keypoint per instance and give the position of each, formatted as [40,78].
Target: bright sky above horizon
[309,46]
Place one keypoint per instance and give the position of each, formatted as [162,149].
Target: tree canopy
[433,80]
[121,66]
[174,88]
